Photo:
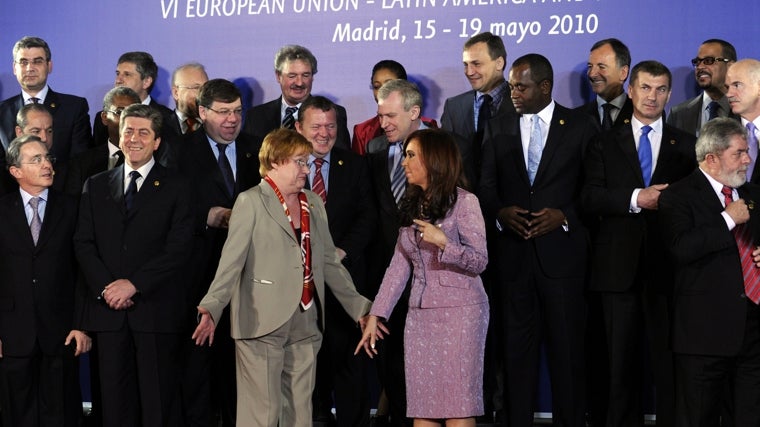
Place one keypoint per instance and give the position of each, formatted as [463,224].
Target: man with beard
[711,230]
[607,70]
[294,68]
[710,66]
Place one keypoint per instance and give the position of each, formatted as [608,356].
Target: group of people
[606,233]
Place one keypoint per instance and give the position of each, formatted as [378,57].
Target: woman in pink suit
[443,247]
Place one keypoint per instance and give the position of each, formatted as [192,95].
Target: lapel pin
[561,121]
[311,205]
[248,155]
[52,105]
[672,142]
[340,162]
[626,121]
[156,183]
[751,205]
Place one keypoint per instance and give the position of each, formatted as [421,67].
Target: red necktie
[319,181]
[744,242]
[191,123]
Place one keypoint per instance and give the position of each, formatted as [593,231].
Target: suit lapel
[628,146]
[208,161]
[668,147]
[51,102]
[19,222]
[116,185]
[275,210]
[149,189]
[52,217]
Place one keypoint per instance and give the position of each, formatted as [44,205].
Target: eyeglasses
[39,158]
[707,60]
[301,163]
[37,62]
[238,112]
[193,87]
[116,111]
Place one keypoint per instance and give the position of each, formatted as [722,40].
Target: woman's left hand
[431,233]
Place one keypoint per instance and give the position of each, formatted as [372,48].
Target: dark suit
[149,246]
[623,117]
[264,118]
[716,331]
[629,266]
[208,380]
[687,115]
[391,350]
[542,277]
[352,218]
[39,382]
[71,123]
[459,119]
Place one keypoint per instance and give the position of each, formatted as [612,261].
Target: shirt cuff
[729,221]
[634,205]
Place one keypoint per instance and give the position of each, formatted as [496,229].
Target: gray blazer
[687,115]
[260,272]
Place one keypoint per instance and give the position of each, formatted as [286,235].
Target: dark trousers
[209,391]
[40,390]
[702,380]
[139,375]
[631,318]
[341,376]
[542,309]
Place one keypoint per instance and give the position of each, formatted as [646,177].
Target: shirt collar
[26,197]
[41,95]
[656,125]
[144,170]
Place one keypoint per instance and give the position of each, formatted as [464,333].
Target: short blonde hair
[279,145]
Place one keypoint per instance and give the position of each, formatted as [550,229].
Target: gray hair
[291,53]
[716,135]
[13,155]
[119,91]
[406,89]
[22,117]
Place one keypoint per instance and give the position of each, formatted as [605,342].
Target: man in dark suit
[220,162]
[466,114]
[711,226]
[743,81]
[39,336]
[713,59]
[529,188]
[187,80]
[137,71]
[295,68]
[133,242]
[630,271]
[107,156]
[341,178]
[35,119]
[32,62]
[607,70]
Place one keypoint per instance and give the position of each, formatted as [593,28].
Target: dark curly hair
[441,158]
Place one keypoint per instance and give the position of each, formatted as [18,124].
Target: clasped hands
[118,294]
[528,224]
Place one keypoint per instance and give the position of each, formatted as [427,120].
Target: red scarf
[307,296]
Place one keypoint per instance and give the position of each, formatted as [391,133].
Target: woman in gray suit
[274,266]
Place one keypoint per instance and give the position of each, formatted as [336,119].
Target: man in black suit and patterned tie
[294,68]
[32,62]
[39,321]
[626,170]
[710,66]
[607,71]
[529,188]
[187,80]
[341,178]
[220,162]
[711,226]
[133,242]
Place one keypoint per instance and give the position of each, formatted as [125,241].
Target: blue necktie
[226,169]
[645,155]
[534,148]
[712,110]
